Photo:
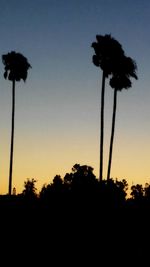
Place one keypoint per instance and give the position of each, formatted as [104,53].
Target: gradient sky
[57,109]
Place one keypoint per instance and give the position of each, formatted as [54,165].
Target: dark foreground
[75,234]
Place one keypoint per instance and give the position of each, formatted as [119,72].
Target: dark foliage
[16,66]
[107,52]
[77,219]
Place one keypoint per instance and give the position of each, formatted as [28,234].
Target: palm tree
[107,49]
[16,68]
[124,69]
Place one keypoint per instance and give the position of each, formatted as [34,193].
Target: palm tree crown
[16,66]
[107,51]
[124,69]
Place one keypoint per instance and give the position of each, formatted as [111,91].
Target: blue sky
[57,109]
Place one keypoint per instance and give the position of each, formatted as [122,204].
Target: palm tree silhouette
[107,49]
[16,68]
[124,69]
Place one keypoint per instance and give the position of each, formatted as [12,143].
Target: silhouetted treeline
[80,189]
[78,219]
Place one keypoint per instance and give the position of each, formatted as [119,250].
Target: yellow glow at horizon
[56,156]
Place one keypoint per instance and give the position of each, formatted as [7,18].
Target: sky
[57,120]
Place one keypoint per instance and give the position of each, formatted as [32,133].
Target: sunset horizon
[57,116]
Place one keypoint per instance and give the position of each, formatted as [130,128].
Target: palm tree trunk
[12,138]
[102,127]
[112,133]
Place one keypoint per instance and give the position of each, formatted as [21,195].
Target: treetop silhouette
[107,50]
[124,69]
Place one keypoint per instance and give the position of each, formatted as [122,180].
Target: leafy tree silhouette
[30,188]
[124,69]
[45,192]
[16,68]
[112,193]
[82,187]
[53,193]
[107,50]
[137,193]
[75,187]
[147,192]
[81,179]
[57,183]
